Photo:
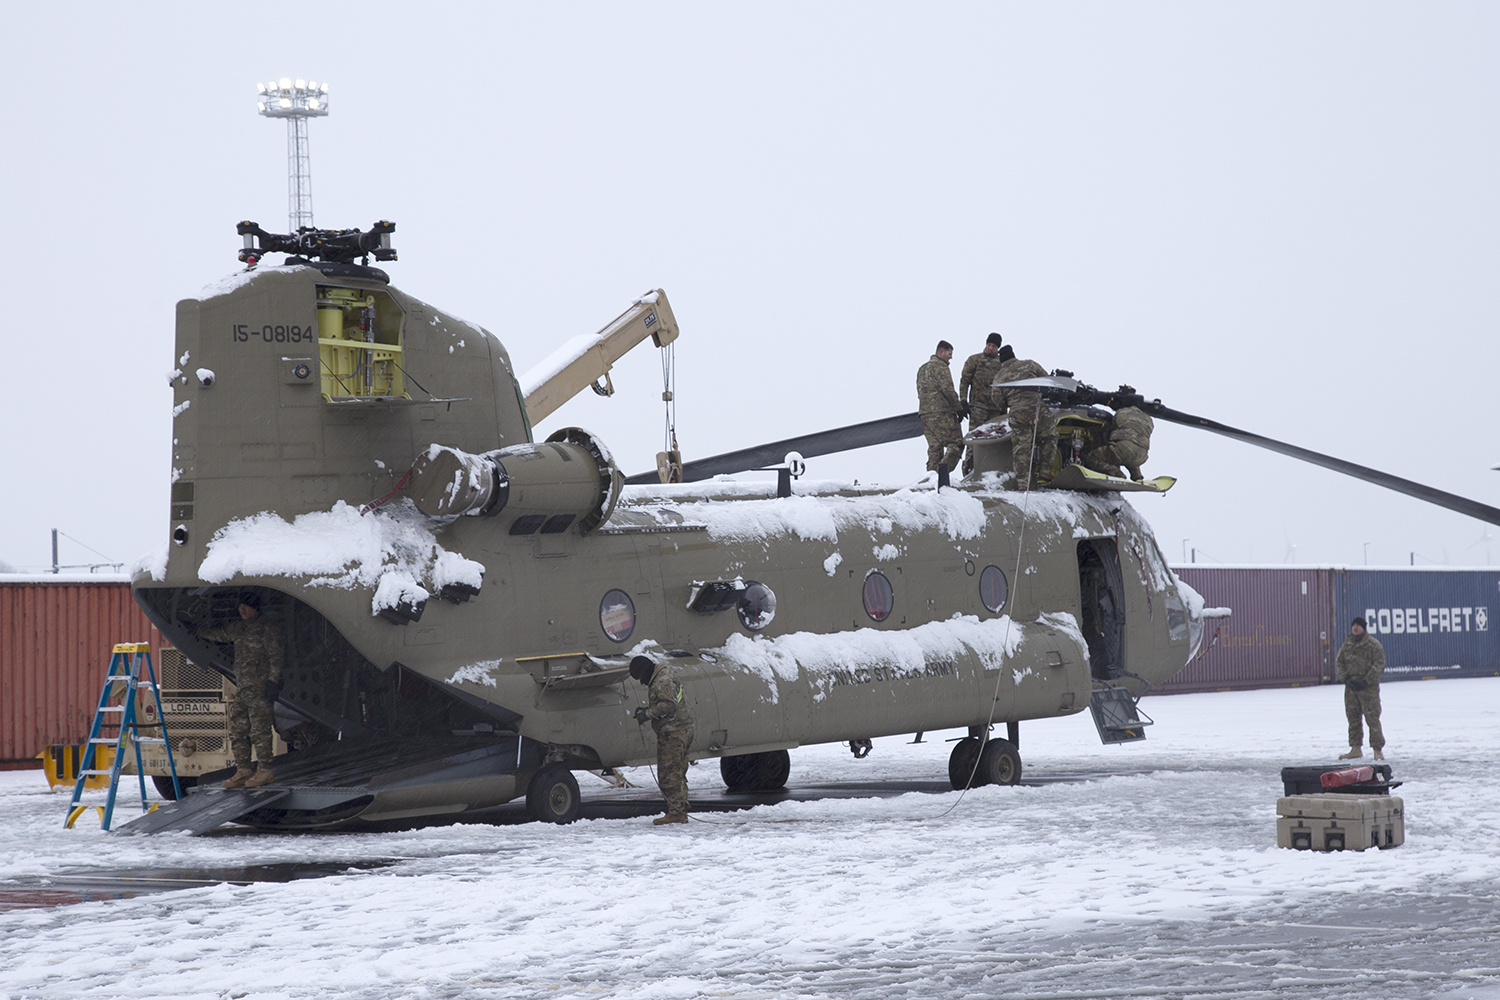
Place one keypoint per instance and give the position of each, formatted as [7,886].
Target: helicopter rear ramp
[204,811]
[354,784]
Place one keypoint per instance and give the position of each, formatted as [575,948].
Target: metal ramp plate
[1116,716]
[203,811]
[1076,477]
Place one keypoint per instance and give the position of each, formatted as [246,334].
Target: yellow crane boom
[584,360]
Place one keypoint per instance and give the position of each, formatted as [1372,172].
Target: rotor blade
[1044,382]
[1452,501]
[871,432]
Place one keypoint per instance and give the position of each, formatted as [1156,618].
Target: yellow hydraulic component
[359,344]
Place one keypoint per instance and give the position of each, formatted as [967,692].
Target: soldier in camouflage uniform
[1032,422]
[258,656]
[974,389]
[1129,445]
[1361,661]
[673,723]
[940,409]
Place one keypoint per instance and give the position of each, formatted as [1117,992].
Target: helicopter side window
[993,588]
[617,615]
[879,595]
[757,606]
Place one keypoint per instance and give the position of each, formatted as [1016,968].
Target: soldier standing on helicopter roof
[673,723]
[1031,421]
[1129,444]
[940,410]
[974,388]
[258,655]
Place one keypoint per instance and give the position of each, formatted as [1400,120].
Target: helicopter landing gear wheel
[961,763]
[553,795]
[756,772]
[999,764]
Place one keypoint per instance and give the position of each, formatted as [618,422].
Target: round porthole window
[757,606]
[993,590]
[880,598]
[617,615]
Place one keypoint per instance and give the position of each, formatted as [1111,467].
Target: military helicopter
[460,602]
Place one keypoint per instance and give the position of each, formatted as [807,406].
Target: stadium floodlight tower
[296,101]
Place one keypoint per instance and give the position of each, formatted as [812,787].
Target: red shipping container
[1278,635]
[56,636]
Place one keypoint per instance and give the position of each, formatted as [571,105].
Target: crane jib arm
[584,360]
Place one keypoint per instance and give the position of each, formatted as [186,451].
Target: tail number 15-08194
[275,334]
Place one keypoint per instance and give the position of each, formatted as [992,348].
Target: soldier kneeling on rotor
[1129,445]
[669,716]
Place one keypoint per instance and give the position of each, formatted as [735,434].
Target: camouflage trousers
[1026,423]
[1110,457]
[945,440]
[671,768]
[250,723]
[1364,706]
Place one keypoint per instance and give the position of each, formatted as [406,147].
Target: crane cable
[669,400]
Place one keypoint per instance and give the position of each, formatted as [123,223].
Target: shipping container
[56,636]
[1279,634]
[1432,622]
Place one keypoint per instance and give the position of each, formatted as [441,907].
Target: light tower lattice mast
[296,101]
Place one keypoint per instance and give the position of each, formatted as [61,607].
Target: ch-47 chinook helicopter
[460,602]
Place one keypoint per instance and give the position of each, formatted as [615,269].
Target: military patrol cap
[993,338]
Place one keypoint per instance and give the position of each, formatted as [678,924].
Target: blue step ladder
[117,707]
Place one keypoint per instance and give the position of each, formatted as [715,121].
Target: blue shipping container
[1432,622]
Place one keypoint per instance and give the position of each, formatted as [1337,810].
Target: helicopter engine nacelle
[570,478]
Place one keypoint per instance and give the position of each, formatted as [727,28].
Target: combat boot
[238,778]
[1379,755]
[1355,753]
[669,818]
[264,776]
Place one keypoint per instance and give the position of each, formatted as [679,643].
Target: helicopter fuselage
[306,396]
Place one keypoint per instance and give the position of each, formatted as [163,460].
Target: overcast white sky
[1279,216]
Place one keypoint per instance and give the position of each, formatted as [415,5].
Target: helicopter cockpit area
[459,603]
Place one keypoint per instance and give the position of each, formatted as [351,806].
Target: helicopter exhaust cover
[447,481]
[571,478]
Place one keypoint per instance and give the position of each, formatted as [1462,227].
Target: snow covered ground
[1142,885]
